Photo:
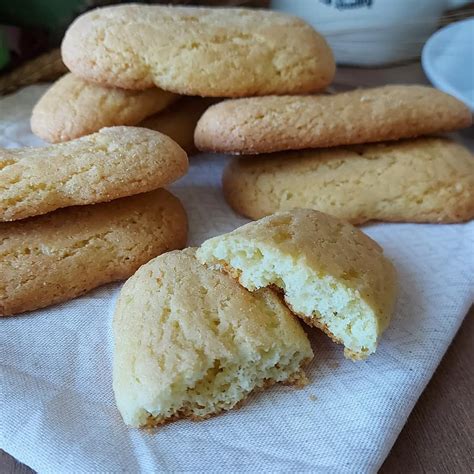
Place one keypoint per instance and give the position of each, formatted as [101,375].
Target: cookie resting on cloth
[419,180]
[191,342]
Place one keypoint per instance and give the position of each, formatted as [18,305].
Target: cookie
[190,342]
[115,162]
[420,180]
[331,274]
[72,108]
[179,121]
[214,52]
[56,257]
[269,124]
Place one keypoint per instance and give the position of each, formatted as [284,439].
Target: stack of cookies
[133,65]
[345,154]
[86,212]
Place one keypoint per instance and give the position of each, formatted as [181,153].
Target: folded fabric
[56,399]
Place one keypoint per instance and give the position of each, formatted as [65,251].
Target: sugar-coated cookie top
[275,123]
[198,51]
[72,107]
[112,163]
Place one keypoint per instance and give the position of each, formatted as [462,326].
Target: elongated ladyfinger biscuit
[53,258]
[211,52]
[72,108]
[422,180]
[268,124]
[115,162]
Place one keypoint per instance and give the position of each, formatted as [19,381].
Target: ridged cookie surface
[268,124]
[53,258]
[179,121]
[191,342]
[215,52]
[115,162]
[72,108]
[331,274]
[421,180]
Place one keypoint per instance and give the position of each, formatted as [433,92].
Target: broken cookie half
[332,275]
[191,342]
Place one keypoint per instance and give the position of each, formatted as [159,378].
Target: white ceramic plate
[448,60]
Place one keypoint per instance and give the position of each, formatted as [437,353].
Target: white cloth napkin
[56,401]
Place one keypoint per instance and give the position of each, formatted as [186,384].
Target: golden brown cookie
[269,124]
[331,274]
[215,52]
[72,108]
[190,342]
[115,162]
[421,180]
[179,121]
[53,258]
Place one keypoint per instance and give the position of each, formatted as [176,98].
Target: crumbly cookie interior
[320,299]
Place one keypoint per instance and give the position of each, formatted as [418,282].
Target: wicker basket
[46,67]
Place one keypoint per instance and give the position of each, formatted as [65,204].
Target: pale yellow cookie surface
[115,162]
[422,180]
[268,124]
[216,52]
[72,108]
[179,121]
[331,274]
[191,342]
[56,257]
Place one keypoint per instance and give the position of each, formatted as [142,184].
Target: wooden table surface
[439,434]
